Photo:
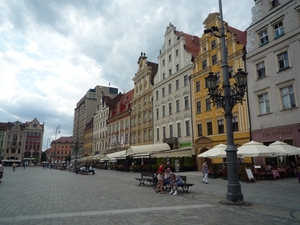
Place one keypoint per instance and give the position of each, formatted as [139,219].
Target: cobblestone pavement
[43,196]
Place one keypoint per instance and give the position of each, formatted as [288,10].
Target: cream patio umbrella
[286,148]
[256,149]
[216,152]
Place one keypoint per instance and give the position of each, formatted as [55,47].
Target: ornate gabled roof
[192,42]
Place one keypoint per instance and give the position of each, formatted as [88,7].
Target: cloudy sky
[52,52]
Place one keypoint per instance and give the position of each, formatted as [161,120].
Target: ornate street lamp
[228,96]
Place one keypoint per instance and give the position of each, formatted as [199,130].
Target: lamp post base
[234,194]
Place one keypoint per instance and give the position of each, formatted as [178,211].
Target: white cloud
[51,54]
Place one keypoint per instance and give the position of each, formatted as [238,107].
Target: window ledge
[295,107]
[262,78]
[262,44]
[265,114]
[278,36]
[283,69]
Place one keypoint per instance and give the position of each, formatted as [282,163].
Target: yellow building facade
[141,131]
[209,125]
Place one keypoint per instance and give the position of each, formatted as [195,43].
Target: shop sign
[277,132]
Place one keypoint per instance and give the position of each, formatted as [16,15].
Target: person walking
[1,171]
[24,166]
[205,172]
[14,166]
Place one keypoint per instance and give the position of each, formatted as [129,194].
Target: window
[214,59]
[288,97]
[163,62]
[170,88]
[209,128]
[199,128]
[186,102]
[187,126]
[169,42]
[171,130]
[170,58]
[176,52]
[163,92]
[230,71]
[145,135]
[204,65]
[164,76]
[157,134]
[170,72]
[186,80]
[150,114]
[179,129]
[278,29]
[198,105]
[274,3]
[235,123]
[163,111]
[177,67]
[156,95]
[264,105]
[157,114]
[213,44]
[150,135]
[198,86]
[170,108]
[263,37]
[208,104]
[283,61]
[177,105]
[164,132]
[177,84]
[261,70]
[145,117]
[221,126]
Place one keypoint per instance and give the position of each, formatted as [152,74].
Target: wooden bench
[145,176]
[185,186]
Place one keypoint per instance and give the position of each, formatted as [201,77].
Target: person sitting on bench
[82,169]
[176,181]
[91,170]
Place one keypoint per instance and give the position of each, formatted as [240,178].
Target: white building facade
[273,68]
[171,91]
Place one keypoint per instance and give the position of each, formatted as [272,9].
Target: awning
[174,153]
[116,155]
[11,160]
[133,150]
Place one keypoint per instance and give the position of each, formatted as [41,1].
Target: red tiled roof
[48,151]
[192,43]
[3,126]
[240,35]
[64,139]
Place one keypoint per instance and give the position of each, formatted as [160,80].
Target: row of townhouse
[170,103]
[21,142]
